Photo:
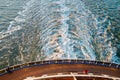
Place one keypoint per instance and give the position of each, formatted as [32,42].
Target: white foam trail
[62,29]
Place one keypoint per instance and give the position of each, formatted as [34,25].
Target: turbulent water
[59,29]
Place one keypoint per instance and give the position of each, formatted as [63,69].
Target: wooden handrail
[66,61]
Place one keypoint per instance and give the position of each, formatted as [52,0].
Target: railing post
[103,63]
[55,61]
[69,61]
[28,64]
[20,66]
[13,68]
[62,61]
[117,66]
[34,63]
[110,64]
[42,61]
[76,60]
[49,61]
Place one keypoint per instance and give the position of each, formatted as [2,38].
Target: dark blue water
[59,29]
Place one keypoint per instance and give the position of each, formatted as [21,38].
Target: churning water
[59,29]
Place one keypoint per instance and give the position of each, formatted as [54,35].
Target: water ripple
[62,29]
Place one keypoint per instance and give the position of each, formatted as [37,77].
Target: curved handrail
[65,61]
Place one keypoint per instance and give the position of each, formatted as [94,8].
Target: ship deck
[40,68]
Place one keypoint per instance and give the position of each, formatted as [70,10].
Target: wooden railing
[66,61]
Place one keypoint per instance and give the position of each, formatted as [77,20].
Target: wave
[62,29]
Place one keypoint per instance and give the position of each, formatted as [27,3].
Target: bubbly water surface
[59,29]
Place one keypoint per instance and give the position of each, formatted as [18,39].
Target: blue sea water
[33,30]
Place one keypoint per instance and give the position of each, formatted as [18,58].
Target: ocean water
[33,30]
